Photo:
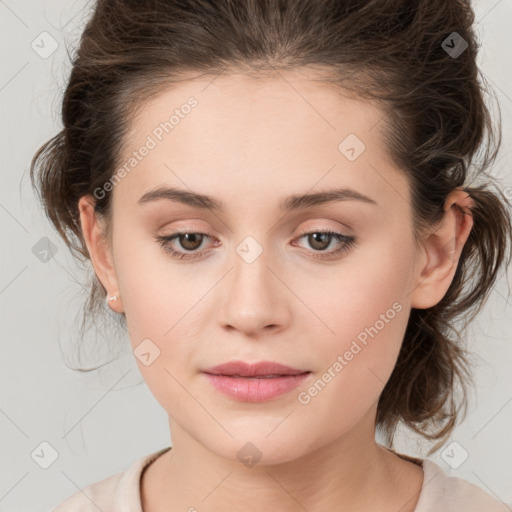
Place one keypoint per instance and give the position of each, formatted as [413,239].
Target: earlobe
[99,250]
[442,250]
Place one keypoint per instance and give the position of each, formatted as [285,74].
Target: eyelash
[348,243]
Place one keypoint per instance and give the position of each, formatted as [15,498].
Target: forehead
[244,104]
[250,134]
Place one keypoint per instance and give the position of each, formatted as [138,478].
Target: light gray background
[100,422]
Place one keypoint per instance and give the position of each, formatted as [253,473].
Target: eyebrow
[293,202]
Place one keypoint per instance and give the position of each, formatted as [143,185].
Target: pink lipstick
[256,382]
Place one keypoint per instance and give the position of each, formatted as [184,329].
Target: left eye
[318,238]
[191,241]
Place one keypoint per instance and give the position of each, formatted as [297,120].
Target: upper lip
[244,369]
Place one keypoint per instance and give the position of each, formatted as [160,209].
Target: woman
[276,198]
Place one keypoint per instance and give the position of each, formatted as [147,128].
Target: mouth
[263,369]
[256,376]
[257,382]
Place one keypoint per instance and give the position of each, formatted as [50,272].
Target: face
[255,280]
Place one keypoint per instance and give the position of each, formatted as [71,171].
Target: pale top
[439,492]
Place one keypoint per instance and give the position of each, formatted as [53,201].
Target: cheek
[364,308]
[162,331]
[161,300]
[156,291]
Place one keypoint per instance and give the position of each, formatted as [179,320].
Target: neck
[353,470]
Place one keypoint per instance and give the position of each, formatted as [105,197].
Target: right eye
[190,241]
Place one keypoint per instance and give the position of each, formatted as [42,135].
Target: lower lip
[248,389]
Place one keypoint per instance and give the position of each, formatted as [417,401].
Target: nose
[254,299]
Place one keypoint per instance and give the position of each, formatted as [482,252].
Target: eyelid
[347,243]
[322,228]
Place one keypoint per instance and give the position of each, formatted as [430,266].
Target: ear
[99,249]
[441,251]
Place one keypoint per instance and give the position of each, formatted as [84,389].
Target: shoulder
[443,492]
[96,496]
[118,492]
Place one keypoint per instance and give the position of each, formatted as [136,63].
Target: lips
[263,369]
[257,382]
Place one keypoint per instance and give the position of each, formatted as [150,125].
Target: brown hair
[399,53]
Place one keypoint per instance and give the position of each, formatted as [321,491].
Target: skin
[251,143]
